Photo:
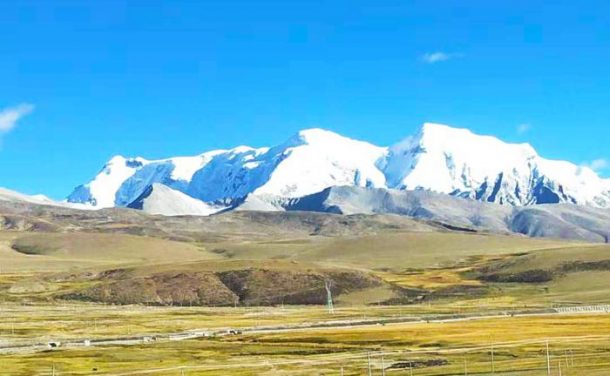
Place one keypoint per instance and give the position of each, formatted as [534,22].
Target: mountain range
[438,158]
[560,221]
[447,175]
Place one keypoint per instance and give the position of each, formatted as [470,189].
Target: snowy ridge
[316,159]
[12,196]
[308,162]
[438,158]
[16,197]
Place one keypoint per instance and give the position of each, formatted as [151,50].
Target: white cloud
[598,164]
[438,56]
[9,117]
[523,128]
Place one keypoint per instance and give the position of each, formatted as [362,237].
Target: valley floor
[246,297]
[436,345]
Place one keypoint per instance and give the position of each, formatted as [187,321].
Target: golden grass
[581,343]
[390,250]
[423,260]
[387,250]
[552,258]
[430,279]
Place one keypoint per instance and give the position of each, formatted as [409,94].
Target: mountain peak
[438,128]
[329,141]
[318,136]
[242,149]
[459,162]
[119,161]
[445,136]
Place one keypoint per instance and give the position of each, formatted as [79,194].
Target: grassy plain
[579,344]
[447,268]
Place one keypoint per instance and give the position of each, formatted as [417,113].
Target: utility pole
[493,366]
[382,366]
[329,297]
[465,367]
[410,368]
[368,356]
[559,367]
[548,359]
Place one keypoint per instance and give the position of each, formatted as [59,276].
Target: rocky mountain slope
[565,221]
[161,199]
[336,211]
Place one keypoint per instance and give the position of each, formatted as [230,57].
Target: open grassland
[392,266]
[55,252]
[553,258]
[388,250]
[71,321]
[404,275]
[578,344]
[426,265]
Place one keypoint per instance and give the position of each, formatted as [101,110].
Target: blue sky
[82,81]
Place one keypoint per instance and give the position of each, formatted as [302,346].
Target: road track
[70,343]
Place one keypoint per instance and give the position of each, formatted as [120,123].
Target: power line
[493,366]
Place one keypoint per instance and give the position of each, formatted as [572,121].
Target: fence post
[548,359]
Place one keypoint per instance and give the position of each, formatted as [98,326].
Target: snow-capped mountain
[12,196]
[438,158]
[460,163]
[306,163]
